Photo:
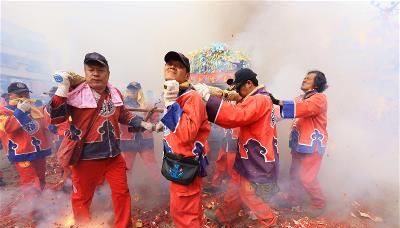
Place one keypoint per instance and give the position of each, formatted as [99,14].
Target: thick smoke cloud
[354,44]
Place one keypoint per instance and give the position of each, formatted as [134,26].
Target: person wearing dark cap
[308,140]
[4,99]
[97,103]
[51,91]
[255,173]
[138,143]
[186,130]
[25,139]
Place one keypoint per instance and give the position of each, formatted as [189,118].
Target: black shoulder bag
[179,169]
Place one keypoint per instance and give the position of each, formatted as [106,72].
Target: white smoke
[356,46]
[133,36]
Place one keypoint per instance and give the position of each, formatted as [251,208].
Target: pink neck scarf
[82,96]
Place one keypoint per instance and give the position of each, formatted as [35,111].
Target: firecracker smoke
[354,44]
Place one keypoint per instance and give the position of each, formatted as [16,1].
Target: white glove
[146,125]
[171,90]
[159,127]
[24,106]
[61,77]
[203,90]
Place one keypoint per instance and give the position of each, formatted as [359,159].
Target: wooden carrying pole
[146,110]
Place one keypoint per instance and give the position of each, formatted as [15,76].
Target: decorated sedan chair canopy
[215,64]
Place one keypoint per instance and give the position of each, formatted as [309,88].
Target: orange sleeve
[228,115]
[304,108]
[185,120]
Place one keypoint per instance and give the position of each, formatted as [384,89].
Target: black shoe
[211,190]
[210,214]
[2,183]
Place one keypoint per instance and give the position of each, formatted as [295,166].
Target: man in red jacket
[308,140]
[101,156]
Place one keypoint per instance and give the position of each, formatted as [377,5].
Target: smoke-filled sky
[355,44]
[133,36]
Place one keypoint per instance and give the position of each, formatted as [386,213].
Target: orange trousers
[149,159]
[240,191]
[32,181]
[224,163]
[303,172]
[185,204]
[32,174]
[87,174]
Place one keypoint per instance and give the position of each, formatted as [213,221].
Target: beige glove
[24,106]
[170,92]
[62,78]
[146,125]
[203,90]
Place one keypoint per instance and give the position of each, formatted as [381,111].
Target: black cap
[95,57]
[18,87]
[4,95]
[173,55]
[52,90]
[243,75]
[134,86]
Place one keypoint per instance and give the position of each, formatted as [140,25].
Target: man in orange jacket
[255,178]
[186,130]
[25,137]
[307,141]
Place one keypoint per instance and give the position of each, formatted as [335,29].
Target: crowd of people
[96,132]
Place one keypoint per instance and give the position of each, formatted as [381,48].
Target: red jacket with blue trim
[103,138]
[24,138]
[187,128]
[257,159]
[309,132]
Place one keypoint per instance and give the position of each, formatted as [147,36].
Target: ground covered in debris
[156,214]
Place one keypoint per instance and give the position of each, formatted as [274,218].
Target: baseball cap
[18,87]
[52,90]
[134,86]
[243,75]
[95,57]
[173,55]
